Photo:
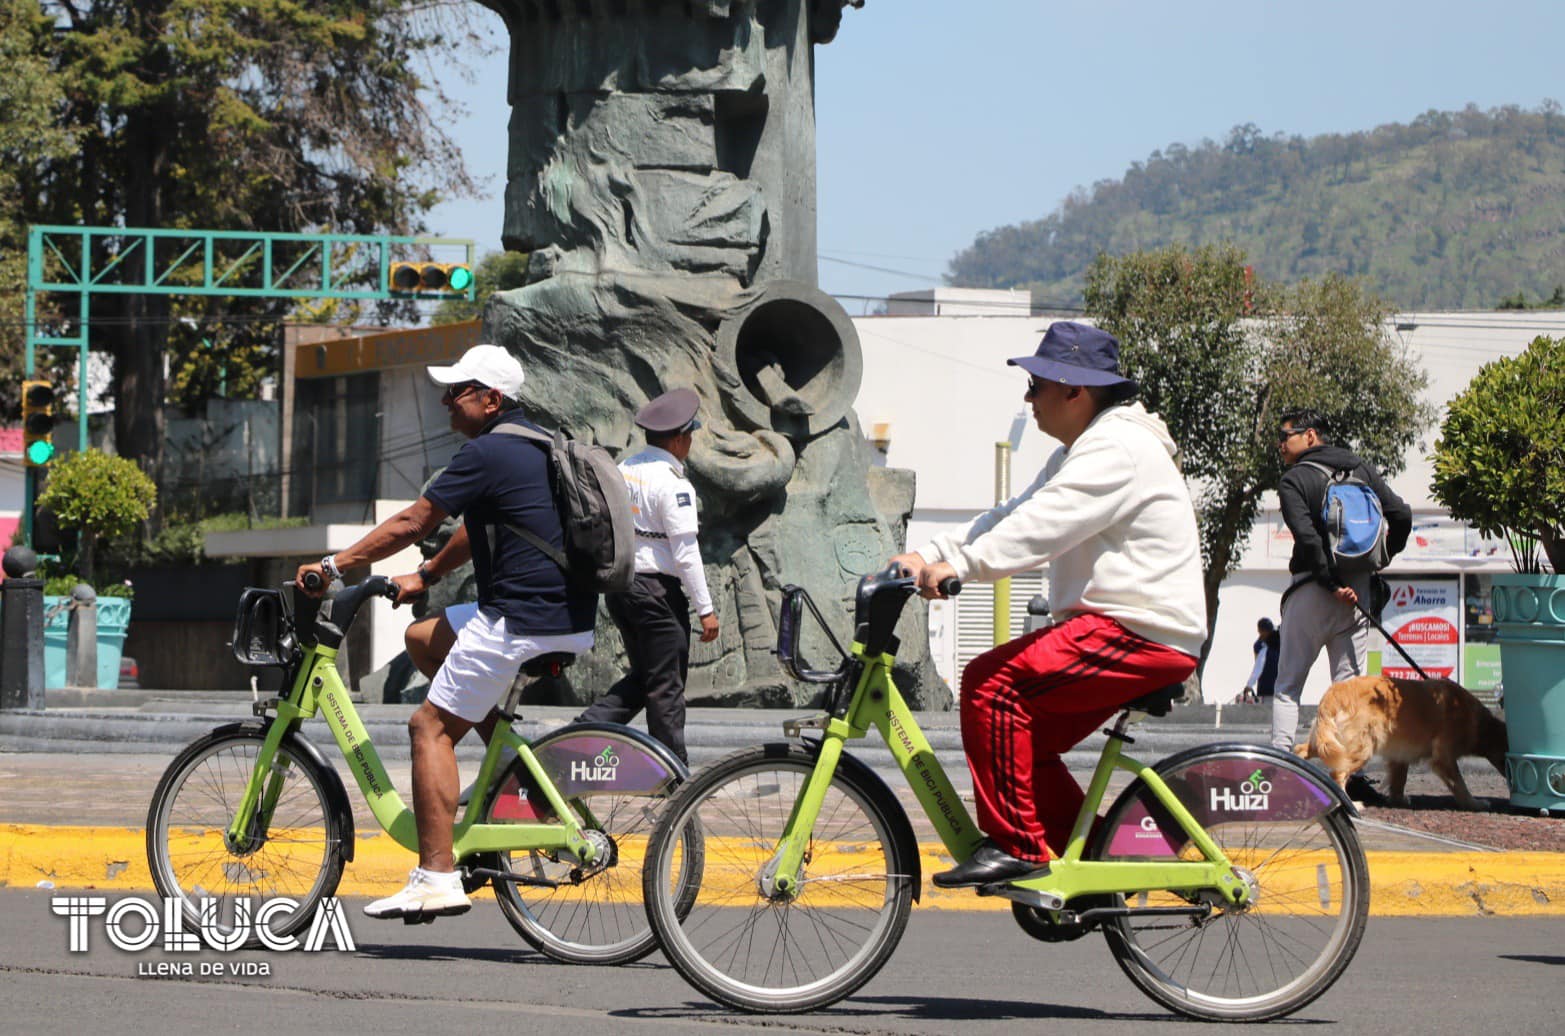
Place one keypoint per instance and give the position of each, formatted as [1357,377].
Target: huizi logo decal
[601,768]
[1254,794]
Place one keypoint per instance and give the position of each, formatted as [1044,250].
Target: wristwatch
[423,574]
[329,566]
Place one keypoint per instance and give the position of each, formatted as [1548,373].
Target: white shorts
[485,659]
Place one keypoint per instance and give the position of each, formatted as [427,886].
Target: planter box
[113,621]
[1529,615]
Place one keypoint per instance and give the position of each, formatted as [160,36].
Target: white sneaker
[427,894]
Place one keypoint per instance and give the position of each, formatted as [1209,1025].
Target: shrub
[97,495]
[1500,459]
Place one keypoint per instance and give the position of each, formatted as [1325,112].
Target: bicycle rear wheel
[298,854]
[778,952]
[615,781]
[1285,829]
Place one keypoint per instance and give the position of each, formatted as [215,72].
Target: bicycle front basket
[263,636]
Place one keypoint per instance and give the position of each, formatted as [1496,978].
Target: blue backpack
[1355,522]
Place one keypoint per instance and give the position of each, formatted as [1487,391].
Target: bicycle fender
[1260,753]
[336,794]
[1274,755]
[906,843]
[652,745]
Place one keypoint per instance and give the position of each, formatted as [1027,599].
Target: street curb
[1402,884]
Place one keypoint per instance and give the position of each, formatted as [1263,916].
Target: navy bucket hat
[1075,354]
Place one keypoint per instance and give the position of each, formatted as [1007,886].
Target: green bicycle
[254,811]
[1227,879]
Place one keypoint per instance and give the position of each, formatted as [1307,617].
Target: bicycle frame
[876,702]
[319,684]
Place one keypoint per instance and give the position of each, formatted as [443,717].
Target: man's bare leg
[435,733]
[428,642]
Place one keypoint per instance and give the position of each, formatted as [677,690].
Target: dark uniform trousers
[653,617]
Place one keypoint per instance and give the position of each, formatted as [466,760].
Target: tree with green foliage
[1500,458]
[270,115]
[31,97]
[496,271]
[1220,354]
[97,496]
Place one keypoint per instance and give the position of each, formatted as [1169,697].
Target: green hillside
[1458,210]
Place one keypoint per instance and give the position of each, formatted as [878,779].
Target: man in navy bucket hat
[1111,517]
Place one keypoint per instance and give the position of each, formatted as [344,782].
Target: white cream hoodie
[1112,517]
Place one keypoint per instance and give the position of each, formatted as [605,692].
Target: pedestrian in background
[653,616]
[1320,607]
[1263,675]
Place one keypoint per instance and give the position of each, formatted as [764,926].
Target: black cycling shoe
[988,864]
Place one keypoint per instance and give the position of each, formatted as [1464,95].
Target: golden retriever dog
[1403,722]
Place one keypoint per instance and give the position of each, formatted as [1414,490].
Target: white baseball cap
[489,365]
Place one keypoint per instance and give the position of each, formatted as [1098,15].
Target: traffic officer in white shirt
[653,616]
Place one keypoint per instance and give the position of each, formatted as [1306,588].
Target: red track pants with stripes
[1026,702]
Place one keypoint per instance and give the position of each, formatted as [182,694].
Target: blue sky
[939,119]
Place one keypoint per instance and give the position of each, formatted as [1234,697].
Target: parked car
[130,674]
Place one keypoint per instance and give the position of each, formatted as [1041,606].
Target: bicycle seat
[551,664]
[1159,702]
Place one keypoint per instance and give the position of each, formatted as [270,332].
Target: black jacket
[1302,494]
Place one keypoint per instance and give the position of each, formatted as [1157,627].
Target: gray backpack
[594,506]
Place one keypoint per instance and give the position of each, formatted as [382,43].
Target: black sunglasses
[1034,386]
[456,392]
[1283,437]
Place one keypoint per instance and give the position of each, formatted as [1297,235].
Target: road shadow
[931,1009]
[404,951]
[1534,958]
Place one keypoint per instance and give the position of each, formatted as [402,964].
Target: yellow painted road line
[1403,884]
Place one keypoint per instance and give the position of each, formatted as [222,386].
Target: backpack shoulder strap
[1332,474]
[524,432]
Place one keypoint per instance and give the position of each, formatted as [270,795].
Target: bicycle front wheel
[615,782]
[1287,834]
[748,946]
[296,852]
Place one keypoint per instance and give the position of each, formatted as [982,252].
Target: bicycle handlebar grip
[950,586]
[314,582]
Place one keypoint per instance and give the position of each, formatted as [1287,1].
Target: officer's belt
[651,535]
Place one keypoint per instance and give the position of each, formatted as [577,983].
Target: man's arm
[402,529]
[1298,515]
[456,553]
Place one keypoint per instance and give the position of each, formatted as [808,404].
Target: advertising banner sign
[1422,617]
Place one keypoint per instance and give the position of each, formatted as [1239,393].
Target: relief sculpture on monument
[661,176]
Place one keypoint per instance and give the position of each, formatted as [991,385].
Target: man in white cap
[653,616]
[525,607]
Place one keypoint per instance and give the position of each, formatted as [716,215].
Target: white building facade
[939,396]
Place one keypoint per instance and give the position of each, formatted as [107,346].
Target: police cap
[671,413]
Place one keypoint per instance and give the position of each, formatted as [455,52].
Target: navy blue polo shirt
[498,479]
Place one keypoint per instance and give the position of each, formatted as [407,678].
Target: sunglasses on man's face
[1034,386]
[456,392]
[1288,433]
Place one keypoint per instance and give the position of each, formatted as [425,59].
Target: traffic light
[438,279]
[37,422]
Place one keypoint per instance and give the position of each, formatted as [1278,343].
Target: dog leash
[1390,639]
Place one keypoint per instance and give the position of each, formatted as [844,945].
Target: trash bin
[113,621]
[1529,618]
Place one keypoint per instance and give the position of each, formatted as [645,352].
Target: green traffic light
[40,452]
[461,278]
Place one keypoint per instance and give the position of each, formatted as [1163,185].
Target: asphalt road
[973,973]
